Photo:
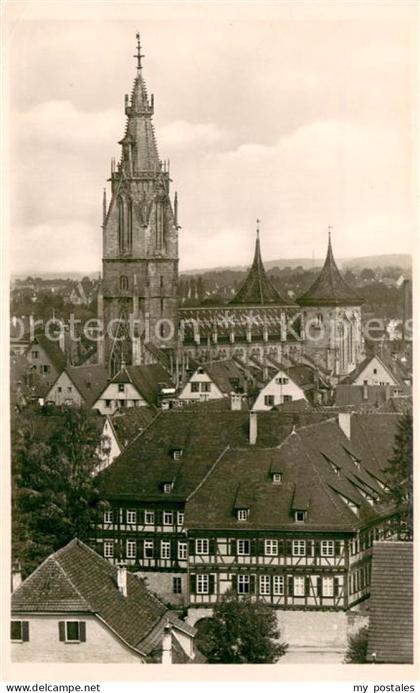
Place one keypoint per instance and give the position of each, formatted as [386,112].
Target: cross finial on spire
[138,55]
[330,228]
[258,226]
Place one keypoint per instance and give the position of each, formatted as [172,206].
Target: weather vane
[138,55]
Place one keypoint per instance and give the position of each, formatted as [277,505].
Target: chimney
[365,391]
[167,645]
[344,421]
[235,401]
[253,429]
[16,575]
[122,579]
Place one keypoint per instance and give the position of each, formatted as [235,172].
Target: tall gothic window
[129,226]
[160,225]
[121,239]
[123,282]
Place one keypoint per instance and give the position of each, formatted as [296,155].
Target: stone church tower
[138,298]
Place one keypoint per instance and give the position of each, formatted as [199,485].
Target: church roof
[330,289]
[257,288]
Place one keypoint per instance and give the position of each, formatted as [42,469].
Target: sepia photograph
[211,224]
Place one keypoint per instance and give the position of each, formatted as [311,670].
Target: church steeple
[257,288]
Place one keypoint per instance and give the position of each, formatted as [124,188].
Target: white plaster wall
[381,376]
[278,391]
[60,398]
[112,393]
[187,394]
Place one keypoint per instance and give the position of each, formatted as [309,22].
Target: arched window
[121,239]
[129,226]
[123,282]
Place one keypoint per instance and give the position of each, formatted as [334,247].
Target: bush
[357,647]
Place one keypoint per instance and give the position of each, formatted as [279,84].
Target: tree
[357,647]
[55,495]
[240,632]
[367,274]
[399,476]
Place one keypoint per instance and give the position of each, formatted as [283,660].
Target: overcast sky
[297,116]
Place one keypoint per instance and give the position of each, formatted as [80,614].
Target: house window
[375,371]
[59,389]
[69,389]
[177,585]
[180,518]
[202,584]
[168,518]
[35,354]
[121,387]
[299,547]
[327,586]
[108,516]
[182,550]
[45,369]
[177,454]
[287,398]
[19,631]
[202,547]
[131,517]
[165,549]
[205,387]
[243,584]
[269,400]
[271,547]
[123,283]
[282,381]
[148,548]
[167,487]
[278,585]
[108,549]
[243,547]
[299,586]
[299,516]
[242,514]
[73,631]
[264,584]
[277,477]
[149,517]
[108,403]
[195,387]
[131,548]
[327,548]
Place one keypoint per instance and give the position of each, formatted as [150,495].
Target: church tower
[138,295]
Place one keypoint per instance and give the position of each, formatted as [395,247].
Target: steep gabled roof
[76,579]
[51,348]
[330,289]
[391,606]
[257,288]
[392,367]
[226,375]
[88,380]
[148,380]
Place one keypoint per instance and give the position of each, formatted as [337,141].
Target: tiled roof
[397,405]
[89,381]
[318,473]
[225,374]
[77,579]
[393,368]
[25,383]
[128,423]
[354,395]
[257,288]
[391,603]
[140,471]
[148,380]
[294,406]
[329,288]
[53,351]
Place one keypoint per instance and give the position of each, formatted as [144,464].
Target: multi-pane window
[205,387]
[299,586]
[327,586]
[177,585]
[131,548]
[269,400]
[168,518]
[195,387]
[282,381]
[264,584]
[243,584]
[19,631]
[327,548]
[180,518]
[35,354]
[278,585]
[149,517]
[202,584]
[108,549]
[271,547]
[202,547]
[148,548]
[299,547]
[108,517]
[242,514]
[177,454]
[165,549]
[131,517]
[277,477]
[243,547]
[167,487]
[182,550]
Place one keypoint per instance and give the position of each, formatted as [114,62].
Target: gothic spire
[330,289]
[257,288]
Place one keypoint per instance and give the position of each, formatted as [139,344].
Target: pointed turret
[330,289]
[257,288]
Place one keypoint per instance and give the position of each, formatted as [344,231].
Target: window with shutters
[149,517]
[202,584]
[299,547]
[299,586]
[108,549]
[148,548]
[73,631]
[131,548]
[108,517]
[165,549]
[131,517]
[278,585]
[265,584]
[19,631]
[182,550]
[202,547]
[327,548]
[180,519]
[168,518]
[243,547]
[327,586]
[177,585]
[271,547]
[243,584]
